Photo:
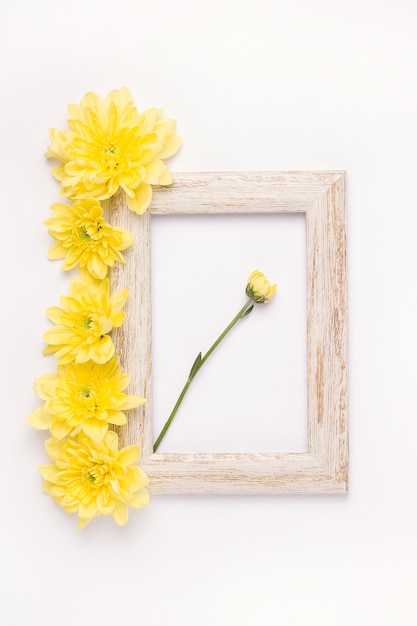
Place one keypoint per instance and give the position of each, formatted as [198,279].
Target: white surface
[253,86]
[251,395]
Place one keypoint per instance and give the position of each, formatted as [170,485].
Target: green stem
[198,363]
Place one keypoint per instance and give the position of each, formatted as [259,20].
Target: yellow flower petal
[111,441]
[45,386]
[40,418]
[56,251]
[140,500]
[141,200]
[120,513]
[129,455]
[129,402]
[157,173]
[117,417]
[102,351]
[171,145]
[82,522]
[95,429]
[60,429]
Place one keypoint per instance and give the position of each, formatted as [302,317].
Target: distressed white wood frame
[323,468]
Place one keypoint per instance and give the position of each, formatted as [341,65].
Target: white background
[261,85]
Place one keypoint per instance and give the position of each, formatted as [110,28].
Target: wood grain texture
[321,196]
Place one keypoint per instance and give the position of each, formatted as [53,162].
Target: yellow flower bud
[259,288]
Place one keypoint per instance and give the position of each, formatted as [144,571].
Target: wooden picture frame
[324,467]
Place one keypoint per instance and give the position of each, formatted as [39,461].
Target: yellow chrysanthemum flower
[259,288]
[84,237]
[94,478]
[111,145]
[82,324]
[83,396]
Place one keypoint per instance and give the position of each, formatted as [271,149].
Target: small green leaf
[196,366]
[247,312]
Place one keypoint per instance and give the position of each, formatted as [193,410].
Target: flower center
[86,323]
[95,475]
[90,478]
[86,392]
[85,403]
[83,234]
[112,155]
